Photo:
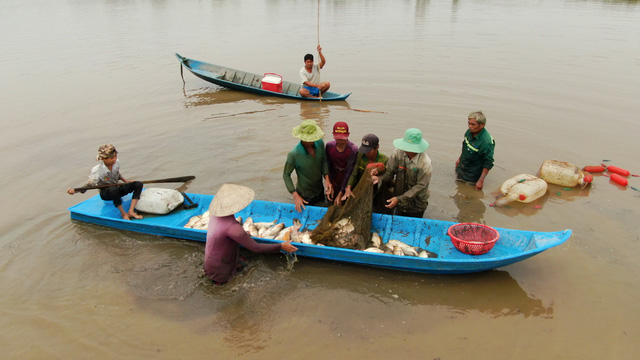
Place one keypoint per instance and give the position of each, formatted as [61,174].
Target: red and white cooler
[272,82]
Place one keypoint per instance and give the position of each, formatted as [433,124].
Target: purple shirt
[340,164]
[221,251]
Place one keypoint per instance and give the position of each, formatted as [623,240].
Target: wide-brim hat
[412,141]
[308,131]
[230,199]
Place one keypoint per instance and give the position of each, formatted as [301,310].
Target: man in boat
[409,172]
[310,76]
[368,155]
[107,173]
[341,158]
[222,258]
[309,161]
[476,158]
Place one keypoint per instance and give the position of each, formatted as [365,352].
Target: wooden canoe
[431,235]
[248,82]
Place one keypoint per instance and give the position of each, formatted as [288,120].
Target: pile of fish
[396,247]
[278,231]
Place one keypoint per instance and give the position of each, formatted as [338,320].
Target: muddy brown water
[557,80]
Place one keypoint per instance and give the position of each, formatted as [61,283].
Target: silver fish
[272,232]
[374,250]
[253,230]
[376,240]
[397,250]
[261,225]
[192,221]
[406,249]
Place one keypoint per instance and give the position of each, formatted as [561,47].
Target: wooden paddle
[167,180]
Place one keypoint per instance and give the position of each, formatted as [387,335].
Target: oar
[167,180]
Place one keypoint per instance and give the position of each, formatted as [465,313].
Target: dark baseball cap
[369,142]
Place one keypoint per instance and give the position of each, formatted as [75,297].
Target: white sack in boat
[159,201]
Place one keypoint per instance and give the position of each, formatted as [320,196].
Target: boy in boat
[310,76]
[341,158]
[222,258]
[409,169]
[108,172]
[476,158]
[309,161]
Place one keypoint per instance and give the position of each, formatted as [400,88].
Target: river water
[556,79]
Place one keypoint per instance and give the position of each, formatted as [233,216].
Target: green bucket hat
[308,131]
[412,141]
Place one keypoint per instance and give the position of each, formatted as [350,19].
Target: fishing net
[348,226]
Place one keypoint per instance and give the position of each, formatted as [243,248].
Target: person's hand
[286,246]
[374,171]
[299,201]
[375,180]
[329,191]
[70,191]
[391,203]
[319,48]
[479,184]
[338,200]
[347,193]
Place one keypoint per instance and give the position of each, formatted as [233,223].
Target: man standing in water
[476,158]
[309,161]
[310,76]
[409,169]
[341,157]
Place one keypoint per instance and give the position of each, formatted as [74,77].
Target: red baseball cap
[340,130]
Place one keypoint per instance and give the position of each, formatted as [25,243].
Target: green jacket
[412,178]
[361,165]
[477,154]
[309,170]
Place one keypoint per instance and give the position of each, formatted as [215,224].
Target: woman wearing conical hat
[225,234]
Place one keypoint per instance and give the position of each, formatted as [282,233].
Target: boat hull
[431,235]
[248,82]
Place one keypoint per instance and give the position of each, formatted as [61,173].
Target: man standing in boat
[310,76]
[309,160]
[476,158]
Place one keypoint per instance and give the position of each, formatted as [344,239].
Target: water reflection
[469,203]
[213,96]
[318,111]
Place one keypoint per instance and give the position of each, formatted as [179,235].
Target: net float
[619,179]
[594,169]
[619,171]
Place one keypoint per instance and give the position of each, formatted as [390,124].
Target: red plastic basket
[473,239]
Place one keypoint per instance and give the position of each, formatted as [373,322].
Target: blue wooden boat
[248,82]
[431,235]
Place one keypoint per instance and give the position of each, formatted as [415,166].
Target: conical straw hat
[230,199]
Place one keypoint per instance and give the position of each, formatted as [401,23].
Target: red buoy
[619,171]
[619,179]
[593,169]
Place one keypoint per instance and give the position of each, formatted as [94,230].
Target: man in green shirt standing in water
[476,158]
[309,160]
